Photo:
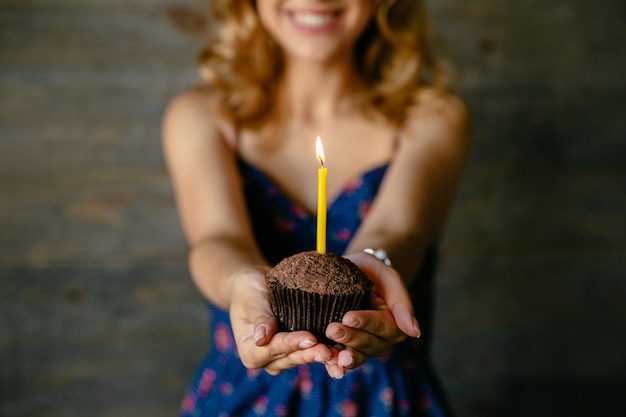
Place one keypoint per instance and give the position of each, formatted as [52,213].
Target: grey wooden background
[98,315]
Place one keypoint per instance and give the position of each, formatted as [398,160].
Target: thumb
[250,310]
[265,326]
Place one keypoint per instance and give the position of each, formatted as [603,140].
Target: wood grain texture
[98,315]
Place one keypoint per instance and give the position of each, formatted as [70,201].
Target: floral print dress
[401,384]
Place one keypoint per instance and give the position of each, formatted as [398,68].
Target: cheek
[362,14]
[263,14]
[266,11]
[367,7]
[268,17]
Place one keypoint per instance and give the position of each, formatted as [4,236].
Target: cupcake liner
[300,310]
[308,290]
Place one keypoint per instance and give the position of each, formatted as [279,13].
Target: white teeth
[313,19]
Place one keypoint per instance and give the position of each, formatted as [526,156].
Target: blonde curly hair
[394,55]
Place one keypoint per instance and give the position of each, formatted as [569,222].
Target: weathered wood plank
[530,302]
[98,340]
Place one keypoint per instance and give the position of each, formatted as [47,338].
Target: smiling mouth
[314,20]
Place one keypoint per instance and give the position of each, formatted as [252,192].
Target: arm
[416,196]
[224,260]
[407,216]
[210,206]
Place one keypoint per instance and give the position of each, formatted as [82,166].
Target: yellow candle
[321,199]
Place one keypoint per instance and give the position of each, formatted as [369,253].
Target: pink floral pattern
[348,408]
[260,405]
[223,339]
[206,382]
[396,385]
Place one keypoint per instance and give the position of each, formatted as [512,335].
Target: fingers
[265,327]
[349,359]
[340,362]
[377,323]
[370,333]
[318,353]
[250,312]
[343,360]
[360,335]
[356,345]
[388,284]
[285,350]
[259,344]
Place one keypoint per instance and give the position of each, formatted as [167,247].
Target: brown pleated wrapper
[307,291]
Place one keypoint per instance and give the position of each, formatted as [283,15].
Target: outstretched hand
[259,344]
[366,333]
[361,333]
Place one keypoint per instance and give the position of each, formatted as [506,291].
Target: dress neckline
[349,187]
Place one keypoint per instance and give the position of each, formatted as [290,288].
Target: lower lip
[316,29]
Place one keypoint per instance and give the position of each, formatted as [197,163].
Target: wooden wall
[98,315]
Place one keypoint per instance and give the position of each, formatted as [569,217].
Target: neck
[310,92]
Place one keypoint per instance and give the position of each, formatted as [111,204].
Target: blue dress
[401,384]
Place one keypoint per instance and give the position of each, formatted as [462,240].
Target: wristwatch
[379,254]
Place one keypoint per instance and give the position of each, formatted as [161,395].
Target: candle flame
[320,150]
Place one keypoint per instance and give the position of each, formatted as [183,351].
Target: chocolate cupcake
[307,291]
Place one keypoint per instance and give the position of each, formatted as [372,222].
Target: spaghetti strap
[397,139]
[236,143]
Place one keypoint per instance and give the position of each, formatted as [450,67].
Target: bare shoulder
[196,115]
[440,113]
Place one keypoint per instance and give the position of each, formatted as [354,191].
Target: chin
[318,55]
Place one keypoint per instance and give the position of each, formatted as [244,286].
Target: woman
[362,75]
